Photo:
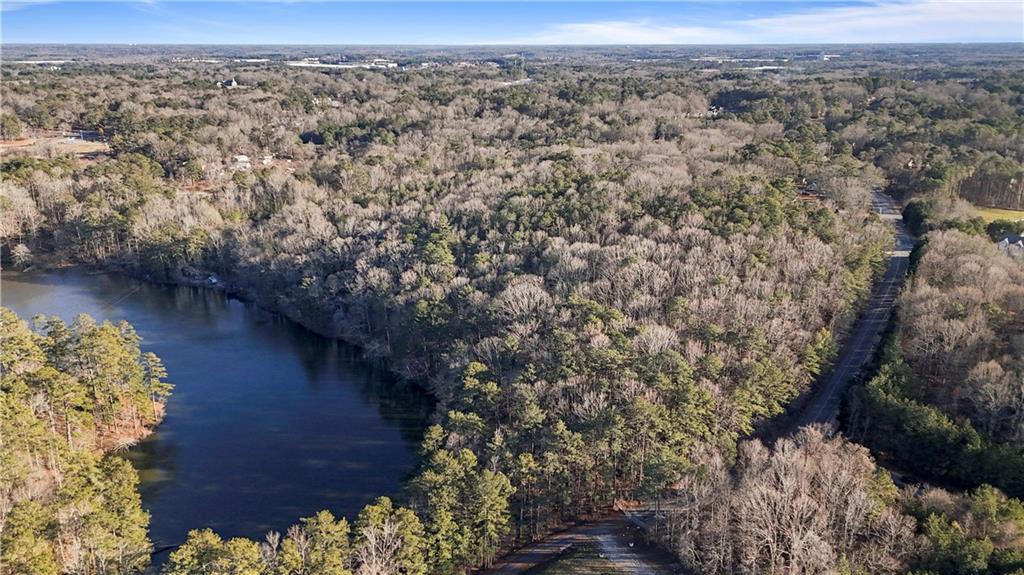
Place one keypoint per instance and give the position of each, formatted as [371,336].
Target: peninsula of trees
[69,396]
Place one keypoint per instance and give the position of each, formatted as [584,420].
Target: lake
[269,422]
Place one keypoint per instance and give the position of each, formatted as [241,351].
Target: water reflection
[268,422]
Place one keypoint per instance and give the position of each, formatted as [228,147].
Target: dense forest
[608,276]
[819,504]
[69,396]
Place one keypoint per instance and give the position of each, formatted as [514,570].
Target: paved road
[823,407]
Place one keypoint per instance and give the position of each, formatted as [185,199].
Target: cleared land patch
[992,214]
[50,146]
[581,558]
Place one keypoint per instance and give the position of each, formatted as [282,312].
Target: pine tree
[24,545]
[318,544]
[491,518]
[205,553]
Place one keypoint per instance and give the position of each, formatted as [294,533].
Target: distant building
[376,64]
[809,189]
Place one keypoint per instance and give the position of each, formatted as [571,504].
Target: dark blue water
[268,422]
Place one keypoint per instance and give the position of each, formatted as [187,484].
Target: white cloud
[631,32]
[11,5]
[916,21]
[883,21]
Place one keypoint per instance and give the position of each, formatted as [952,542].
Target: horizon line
[504,44]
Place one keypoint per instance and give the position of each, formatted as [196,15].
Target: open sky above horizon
[469,23]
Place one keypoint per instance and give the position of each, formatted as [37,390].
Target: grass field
[991,214]
[583,558]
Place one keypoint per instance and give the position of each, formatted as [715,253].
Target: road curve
[823,407]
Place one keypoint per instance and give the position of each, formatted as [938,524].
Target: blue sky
[693,22]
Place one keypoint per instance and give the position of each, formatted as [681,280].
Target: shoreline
[119,442]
